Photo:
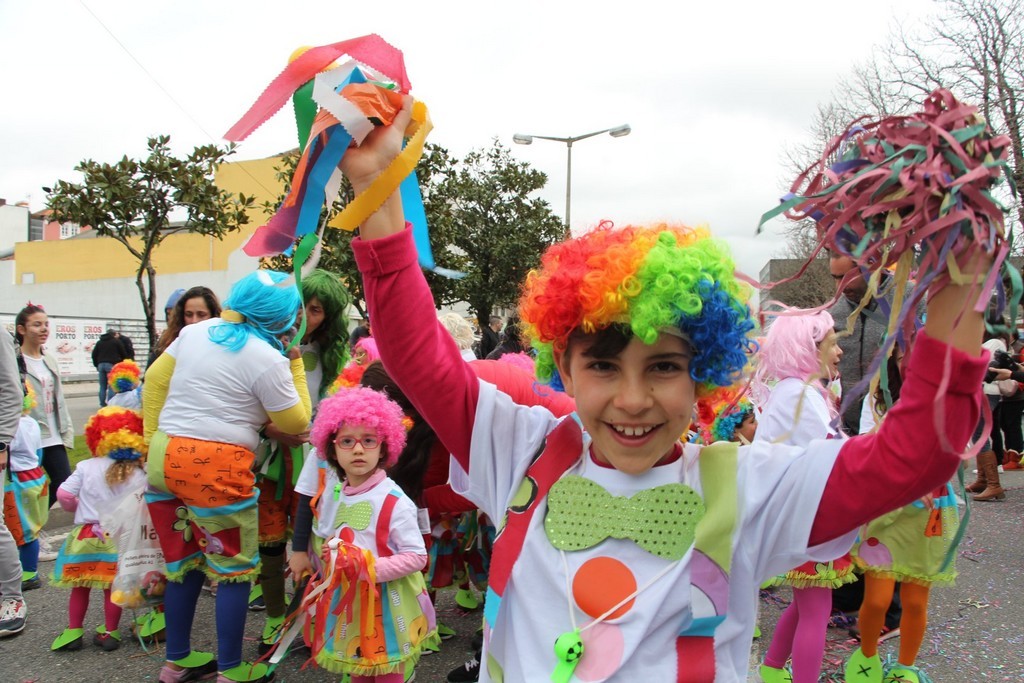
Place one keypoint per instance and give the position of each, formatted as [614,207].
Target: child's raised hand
[362,164]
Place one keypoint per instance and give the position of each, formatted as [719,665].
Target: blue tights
[180,608]
[29,556]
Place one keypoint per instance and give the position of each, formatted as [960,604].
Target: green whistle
[568,651]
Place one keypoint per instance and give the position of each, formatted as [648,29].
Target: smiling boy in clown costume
[623,554]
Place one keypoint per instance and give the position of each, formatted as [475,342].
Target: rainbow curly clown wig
[29,401]
[363,407]
[646,280]
[721,413]
[116,433]
[124,376]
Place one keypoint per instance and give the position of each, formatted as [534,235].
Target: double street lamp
[617,132]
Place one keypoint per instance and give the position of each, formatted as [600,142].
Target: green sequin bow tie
[356,516]
[662,520]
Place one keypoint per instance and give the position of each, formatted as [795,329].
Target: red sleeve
[522,388]
[905,459]
[441,499]
[418,353]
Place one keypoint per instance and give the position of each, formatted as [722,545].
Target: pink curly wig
[368,344]
[364,407]
[790,349]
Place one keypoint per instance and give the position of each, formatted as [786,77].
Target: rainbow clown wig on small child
[365,413]
[641,281]
[116,433]
[726,415]
[124,379]
[88,558]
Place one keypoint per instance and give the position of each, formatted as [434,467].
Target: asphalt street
[975,630]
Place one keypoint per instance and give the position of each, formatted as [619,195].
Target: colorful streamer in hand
[353,99]
[905,188]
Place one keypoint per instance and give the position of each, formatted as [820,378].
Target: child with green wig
[624,554]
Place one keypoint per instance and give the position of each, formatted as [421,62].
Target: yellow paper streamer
[364,205]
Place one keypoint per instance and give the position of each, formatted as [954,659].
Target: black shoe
[467,673]
[477,643]
[31,584]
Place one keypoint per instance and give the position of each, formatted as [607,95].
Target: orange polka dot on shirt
[600,584]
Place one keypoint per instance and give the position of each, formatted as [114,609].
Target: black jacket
[108,349]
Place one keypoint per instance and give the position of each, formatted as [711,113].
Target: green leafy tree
[496,226]
[435,166]
[132,202]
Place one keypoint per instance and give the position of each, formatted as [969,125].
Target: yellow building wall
[104,257]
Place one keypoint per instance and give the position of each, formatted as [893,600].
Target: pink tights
[386,678]
[801,633]
[79,604]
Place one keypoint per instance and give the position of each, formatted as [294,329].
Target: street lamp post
[522,139]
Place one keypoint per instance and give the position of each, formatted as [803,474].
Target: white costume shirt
[27,446]
[794,414]
[88,483]
[221,395]
[778,487]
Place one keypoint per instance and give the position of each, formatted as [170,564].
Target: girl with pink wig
[798,360]
[359,432]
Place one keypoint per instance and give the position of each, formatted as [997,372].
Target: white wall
[13,226]
[113,298]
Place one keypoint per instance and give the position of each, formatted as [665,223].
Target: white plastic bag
[141,577]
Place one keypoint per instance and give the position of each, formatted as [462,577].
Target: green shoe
[466,599]
[256,603]
[246,673]
[863,669]
[445,632]
[757,632]
[770,674]
[272,629]
[68,641]
[108,642]
[151,625]
[901,673]
[197,666]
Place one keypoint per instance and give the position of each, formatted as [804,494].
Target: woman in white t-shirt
[205,400]
[32,328]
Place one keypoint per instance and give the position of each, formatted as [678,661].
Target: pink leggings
[801,633]
[386,678]
[79,604]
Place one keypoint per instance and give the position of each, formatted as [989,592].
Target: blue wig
[269,311]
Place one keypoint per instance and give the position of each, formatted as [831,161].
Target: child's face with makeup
[635,403]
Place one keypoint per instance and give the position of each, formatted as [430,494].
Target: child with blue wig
[206,399]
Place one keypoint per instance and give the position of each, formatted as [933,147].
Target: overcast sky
[714,91]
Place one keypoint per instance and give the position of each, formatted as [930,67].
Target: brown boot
[980,484]
[987,464]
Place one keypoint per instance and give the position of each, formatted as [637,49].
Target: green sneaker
[770,674]
[108,642]
[68,641]
[466,599]
[272,629]
[901,673]
[863,669]
[445,632]
[246,673]
[757,632]
[151,625]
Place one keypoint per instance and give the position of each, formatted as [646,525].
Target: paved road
[975,631]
